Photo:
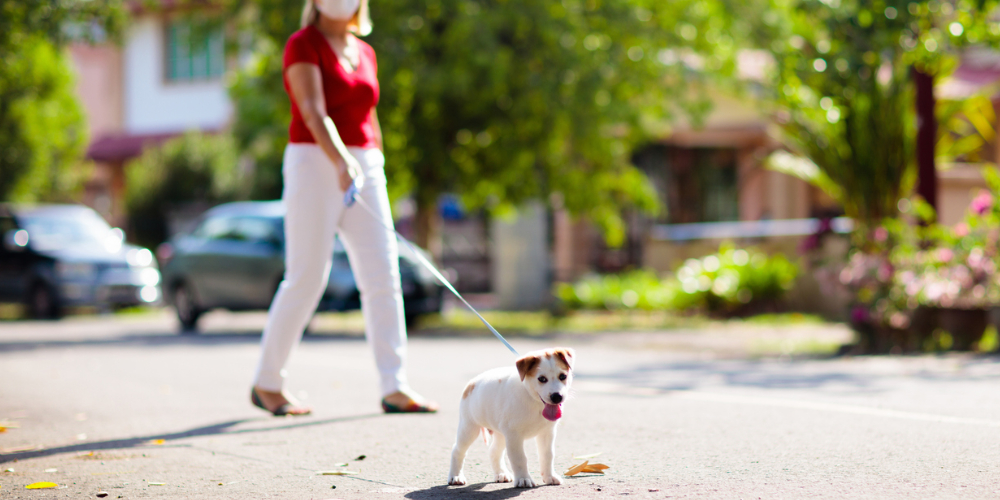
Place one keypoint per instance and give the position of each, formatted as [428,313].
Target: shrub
[728,282]
[732,280]
[632,290]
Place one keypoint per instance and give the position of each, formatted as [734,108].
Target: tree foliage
[193,168]
[42,128]
[509,100]
[842,85]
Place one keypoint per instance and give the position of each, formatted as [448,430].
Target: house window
[194,51]
[694,184]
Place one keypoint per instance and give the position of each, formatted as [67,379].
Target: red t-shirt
[350,97]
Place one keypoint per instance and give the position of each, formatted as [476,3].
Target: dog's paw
[504,477]
[553,480]
[525,482]
[458,480]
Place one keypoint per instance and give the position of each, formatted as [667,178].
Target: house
[714,184]
[166,78]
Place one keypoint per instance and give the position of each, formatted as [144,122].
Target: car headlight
[149,276]
[139,257]
[75,270]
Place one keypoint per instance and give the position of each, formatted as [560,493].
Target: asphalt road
[125,405]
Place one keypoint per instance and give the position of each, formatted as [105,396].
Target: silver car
[234,259]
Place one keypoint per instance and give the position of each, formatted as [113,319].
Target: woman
[330,76]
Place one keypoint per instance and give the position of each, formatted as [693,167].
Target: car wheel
[187,309]
[43,303]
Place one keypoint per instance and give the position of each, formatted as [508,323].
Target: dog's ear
[526,364]
[565,354]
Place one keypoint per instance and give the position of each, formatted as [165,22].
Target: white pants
[315,212]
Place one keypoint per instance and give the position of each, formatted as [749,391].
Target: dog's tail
[487,435]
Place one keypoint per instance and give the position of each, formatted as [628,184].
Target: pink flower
[961,229]
[881,234]
[982,202]
[945,254]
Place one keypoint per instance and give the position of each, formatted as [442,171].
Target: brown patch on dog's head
[527,365]
[565,356]
[468,390]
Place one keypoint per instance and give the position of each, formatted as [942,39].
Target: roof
[121,147]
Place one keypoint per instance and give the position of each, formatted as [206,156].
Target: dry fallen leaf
[10,470]
[586,467]
[41,486]
[336,473]
[588,457]
[156,441]
[575,469]
[157,484]
[3,429]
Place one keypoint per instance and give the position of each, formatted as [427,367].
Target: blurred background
[603,163]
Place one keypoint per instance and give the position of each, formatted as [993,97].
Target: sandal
[411,407]
[281,411]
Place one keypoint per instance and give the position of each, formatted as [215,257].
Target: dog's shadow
[469,491]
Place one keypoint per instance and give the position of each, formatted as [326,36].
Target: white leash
[351,196]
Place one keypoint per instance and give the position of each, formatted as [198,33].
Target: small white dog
[514,405]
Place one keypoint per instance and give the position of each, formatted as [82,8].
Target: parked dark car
[234,259]
[58,256]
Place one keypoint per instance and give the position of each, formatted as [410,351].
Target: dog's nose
[556,398]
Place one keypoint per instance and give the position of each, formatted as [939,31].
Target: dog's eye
[562,376]
[543,379]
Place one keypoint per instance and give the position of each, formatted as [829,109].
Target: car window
[56,230]
[250,229]
[254,229]
[214,228]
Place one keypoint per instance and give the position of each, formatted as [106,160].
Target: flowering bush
[912,263]
[952,267]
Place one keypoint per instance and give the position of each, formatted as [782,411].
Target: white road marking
[715,397]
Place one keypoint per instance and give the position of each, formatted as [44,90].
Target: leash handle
[423,260]
[351,195]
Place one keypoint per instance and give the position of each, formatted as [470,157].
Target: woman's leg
[374,255]
[313,204]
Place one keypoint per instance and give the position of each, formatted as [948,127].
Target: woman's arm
[306,84]
[378,130]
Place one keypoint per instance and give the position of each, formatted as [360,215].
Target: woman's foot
[277,403]
[407,402]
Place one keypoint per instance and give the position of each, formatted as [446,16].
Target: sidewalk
[122,405]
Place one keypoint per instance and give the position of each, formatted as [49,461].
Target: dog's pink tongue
[552,412]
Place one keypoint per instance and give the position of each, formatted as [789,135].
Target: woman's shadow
[470,491]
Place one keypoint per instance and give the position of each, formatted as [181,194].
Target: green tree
[843,87]
[505,101]
[42,128]
[194,168]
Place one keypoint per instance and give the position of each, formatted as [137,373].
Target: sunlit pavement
[125,405]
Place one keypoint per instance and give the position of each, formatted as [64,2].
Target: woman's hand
[347,170]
